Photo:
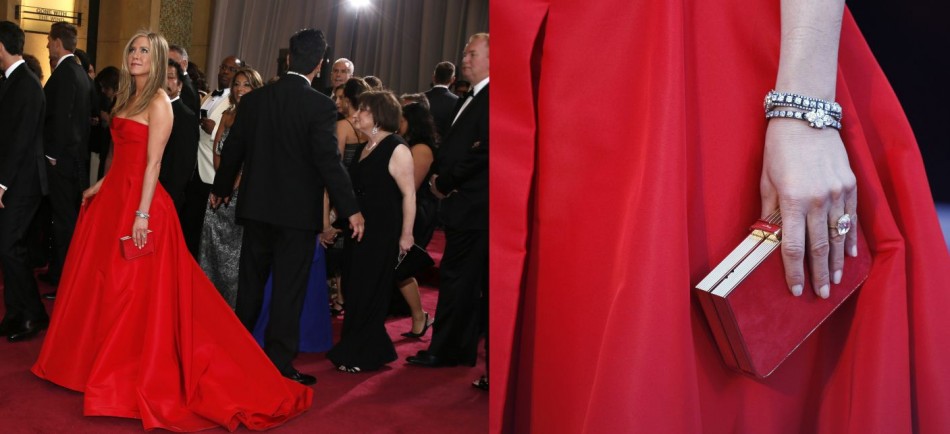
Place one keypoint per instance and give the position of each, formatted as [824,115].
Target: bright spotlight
[359,4]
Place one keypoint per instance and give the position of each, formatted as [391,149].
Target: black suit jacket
[189,94]
[181,152]
[442,104]
[284,135]
[22,165]
[66,128]
[462,166]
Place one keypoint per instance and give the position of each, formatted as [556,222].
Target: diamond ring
[842,226]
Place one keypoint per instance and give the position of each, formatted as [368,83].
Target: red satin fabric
[632,136]
[151,338]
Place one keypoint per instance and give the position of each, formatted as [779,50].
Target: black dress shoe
[49,295]
[26,330]
[425,327]
[424,358]
[304,379]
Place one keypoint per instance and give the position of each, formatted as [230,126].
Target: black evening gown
[368,275]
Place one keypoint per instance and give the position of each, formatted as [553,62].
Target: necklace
[372,145]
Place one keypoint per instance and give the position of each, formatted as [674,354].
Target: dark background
[911,41]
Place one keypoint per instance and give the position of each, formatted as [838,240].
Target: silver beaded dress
[220,247]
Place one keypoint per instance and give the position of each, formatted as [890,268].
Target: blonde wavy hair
[156,77]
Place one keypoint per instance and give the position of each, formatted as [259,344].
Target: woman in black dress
[382,175]
[417,127]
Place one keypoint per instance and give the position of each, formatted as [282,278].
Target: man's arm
[232,156]
[19,126]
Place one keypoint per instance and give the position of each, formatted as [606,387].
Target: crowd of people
[266,207]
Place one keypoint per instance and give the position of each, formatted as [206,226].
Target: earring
[374,130]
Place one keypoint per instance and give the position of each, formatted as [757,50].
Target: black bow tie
[218,92]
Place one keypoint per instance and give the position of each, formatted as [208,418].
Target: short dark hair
[84,59]
[352,89]
[12,37]
[384,107]
[417,98]
[34,64]
[307,48]
[179,73]
[66,33]
[373,82]
[108,78]
[444,72]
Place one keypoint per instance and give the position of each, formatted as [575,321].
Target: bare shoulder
[160,107]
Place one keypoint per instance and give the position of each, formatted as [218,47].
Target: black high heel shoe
[425,328]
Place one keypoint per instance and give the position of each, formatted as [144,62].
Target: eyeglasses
[227,68]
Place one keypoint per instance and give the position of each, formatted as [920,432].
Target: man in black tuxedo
[461,182]
[189,94]
[65,137]
[181,152]
[284,136]
[22,184]
[442,102]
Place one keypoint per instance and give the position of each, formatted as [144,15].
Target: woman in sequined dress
[221,236]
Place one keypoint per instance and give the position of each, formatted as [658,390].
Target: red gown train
[631,150]
[151,338]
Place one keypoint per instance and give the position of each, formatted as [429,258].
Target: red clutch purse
[755,320]
[130,251]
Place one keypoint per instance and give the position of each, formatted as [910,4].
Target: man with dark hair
[189,94]
[283,137]
[22,185]
[181,152]
[209,115]
[65,137]
[442,102]
[461,182]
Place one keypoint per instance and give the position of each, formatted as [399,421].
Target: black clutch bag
[415,260]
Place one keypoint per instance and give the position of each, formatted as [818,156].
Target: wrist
[142,215]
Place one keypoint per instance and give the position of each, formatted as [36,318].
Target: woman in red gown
[599,234]
[150,337]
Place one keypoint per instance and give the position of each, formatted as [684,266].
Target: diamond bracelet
[816,119]
[775,99]
[141,215]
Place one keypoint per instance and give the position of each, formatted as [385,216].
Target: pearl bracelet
[141,215]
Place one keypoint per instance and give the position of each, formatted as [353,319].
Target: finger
[851,238]
[836,240]
[793,248]
[769,198]
[819,248]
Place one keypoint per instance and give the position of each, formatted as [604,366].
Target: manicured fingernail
[796,290]
[854,251]
[823,292]
[837,277]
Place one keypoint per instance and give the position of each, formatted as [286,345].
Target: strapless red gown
[601,225]
[151,338]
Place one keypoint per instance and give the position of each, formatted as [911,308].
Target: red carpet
[397,399]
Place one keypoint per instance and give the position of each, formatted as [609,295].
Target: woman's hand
[405,243]
[806,174]
[89,193]
[140,232]
[328,236]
